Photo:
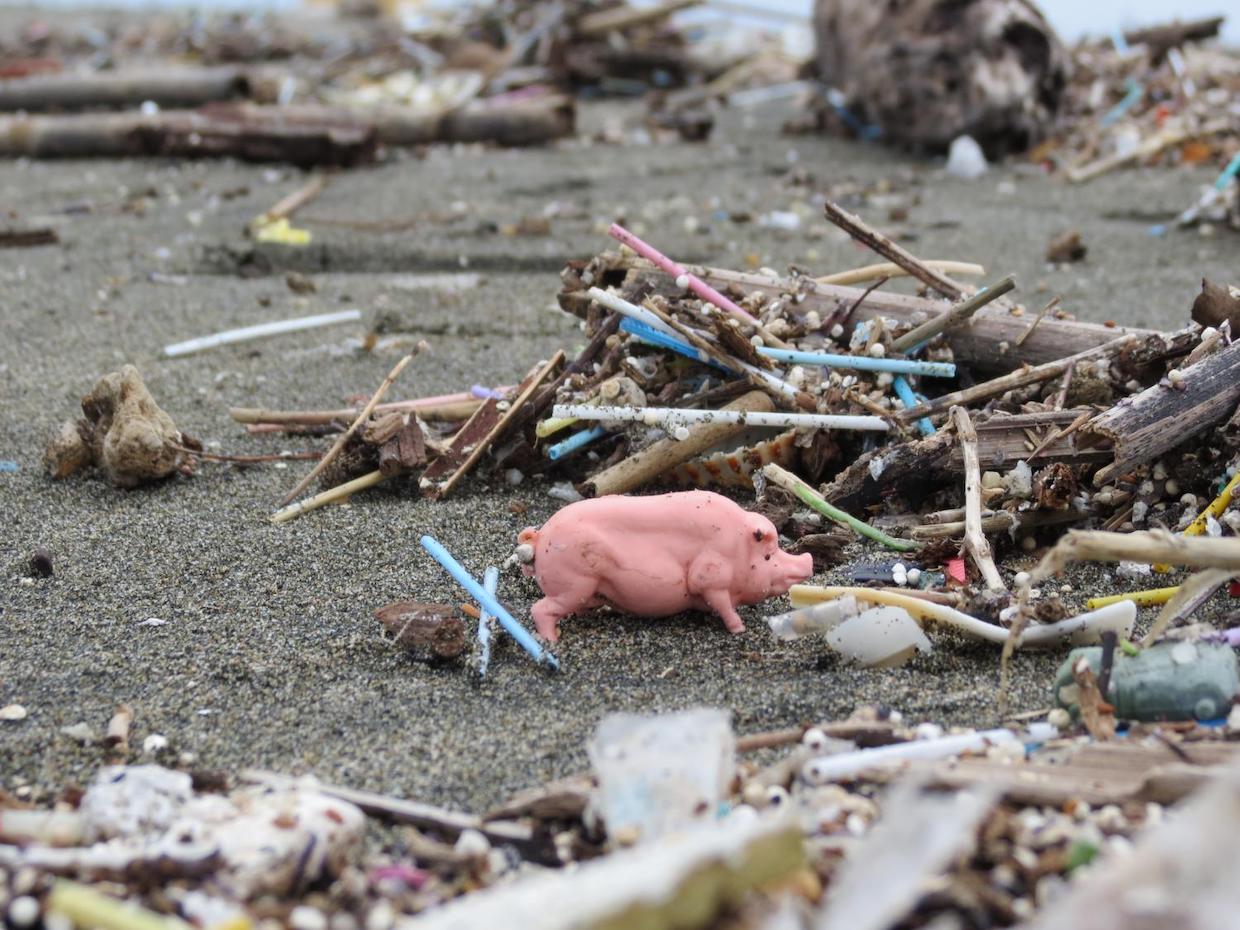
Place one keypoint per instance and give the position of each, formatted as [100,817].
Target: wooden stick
[501,427]
[1000,522]
[954,317]
[290,204]
[338,493]
[877,242]
[1016,379]
[1171,135]
[1144,546]
[432,409]
[1051,305]
[360,419]
[892,270]
[660,458]
[975,540]
[1188,597]
[596,25]
[1141,428]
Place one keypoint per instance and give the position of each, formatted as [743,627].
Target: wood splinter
[975,541]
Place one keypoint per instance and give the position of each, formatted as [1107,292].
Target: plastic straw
[862,362]
[488,602]
[671,417]
[490,584]
[1149,598]
[694,283]
[661,340]
[815,501]
[904,391]
[631,310]
[247,333]
[575,442]
[849,764]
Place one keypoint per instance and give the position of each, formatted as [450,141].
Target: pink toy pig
[657,556]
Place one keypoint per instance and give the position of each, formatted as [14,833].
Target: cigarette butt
[117,735]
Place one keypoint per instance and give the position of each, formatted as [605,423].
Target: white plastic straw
[246,333]
[850,764]
[672,417]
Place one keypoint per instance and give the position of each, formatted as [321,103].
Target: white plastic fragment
[920,835]
[965,158]
[129,800]
[810,620]
[883,637]
[13,713]
[658,774]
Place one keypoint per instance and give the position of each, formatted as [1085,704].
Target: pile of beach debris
[680,823]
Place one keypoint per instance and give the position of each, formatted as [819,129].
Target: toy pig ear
[758,535]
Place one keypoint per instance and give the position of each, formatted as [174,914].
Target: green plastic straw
[815,501]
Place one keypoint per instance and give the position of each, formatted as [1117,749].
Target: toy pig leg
[710,576]
[562,603]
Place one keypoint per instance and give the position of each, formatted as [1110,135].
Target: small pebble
[682,282]
[24,912]
[472,843]
[814,740]
[1021,579]
[154,743]
[41,564]
[1059,718]
[913,575]
[1175,376]
[878,350]
[13,713]
[304,917]
[681,433]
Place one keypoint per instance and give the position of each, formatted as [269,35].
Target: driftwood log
[301,135]
[168,87]
[1160,39]
[1189,401]
[927,71]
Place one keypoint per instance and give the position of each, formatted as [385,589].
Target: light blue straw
[1136,90]
[905,392]
[663,341]
[490,584]
[488,602]
[575,442]
[1228,173]
[862,362]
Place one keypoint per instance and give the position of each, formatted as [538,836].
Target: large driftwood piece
[988,341]
[927,71]
[1141,428]
[909,468]
[1004,440]
[168,87]
[302,134]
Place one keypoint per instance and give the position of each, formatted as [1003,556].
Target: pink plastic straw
[696,284]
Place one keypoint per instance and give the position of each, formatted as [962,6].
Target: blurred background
[1071,18]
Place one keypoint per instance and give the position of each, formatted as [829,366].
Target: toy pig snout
[787,570]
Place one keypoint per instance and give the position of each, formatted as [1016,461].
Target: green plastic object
[1168,681]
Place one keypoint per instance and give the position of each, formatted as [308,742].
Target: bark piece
[1141,428]
[927,71]
[1065,248]
[434,628]
[1215,305]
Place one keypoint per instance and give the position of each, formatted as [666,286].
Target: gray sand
[270,656]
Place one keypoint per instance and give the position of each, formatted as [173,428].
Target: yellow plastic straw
[1215,510]
[1149,598]
[553,425]
[89,909]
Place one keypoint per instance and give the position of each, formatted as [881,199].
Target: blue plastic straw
[862,362]
[490,584]
[1136,90]
[488,602]
[575,442]
[664,341]
[905,392]
[1228,173]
